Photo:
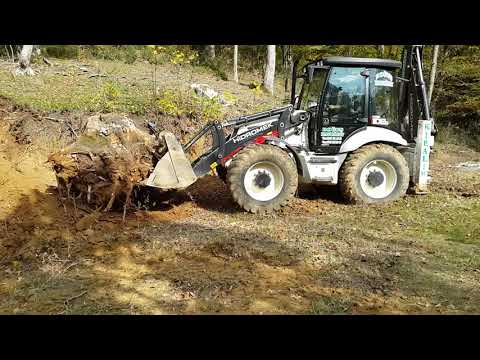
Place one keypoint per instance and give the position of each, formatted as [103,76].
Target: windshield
[311,91]
[345,97]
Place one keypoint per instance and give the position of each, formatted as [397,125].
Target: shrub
[180,103]
[62,51]
[457,94]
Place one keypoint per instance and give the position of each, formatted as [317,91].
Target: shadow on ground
[167,261]
[211,193]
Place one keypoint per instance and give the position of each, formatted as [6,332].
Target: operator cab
[345,94]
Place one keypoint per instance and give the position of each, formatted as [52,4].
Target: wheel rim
[263,181]
[378,179]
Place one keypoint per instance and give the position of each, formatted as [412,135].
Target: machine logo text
[252,133]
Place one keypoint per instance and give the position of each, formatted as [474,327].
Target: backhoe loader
[361,124]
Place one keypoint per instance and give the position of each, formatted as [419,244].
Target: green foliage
[218,67]
[61,51]
[131,55]
[307,53]
[452,134]
[174,54]
[229,97]
[126,53]
[6,51]
[457,93]
[186,104]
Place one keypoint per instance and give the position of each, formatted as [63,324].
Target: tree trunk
[287,67]
[235,63]
[6,51]
[269,76]
[211,51]
[13,53]
[24,61]
[433,73]
[381,50]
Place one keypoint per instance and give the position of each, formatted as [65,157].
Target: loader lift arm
[260,124]
[174,171]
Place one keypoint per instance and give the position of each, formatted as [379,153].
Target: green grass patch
[440,217]
[69,91]
[460,224]
[451,134]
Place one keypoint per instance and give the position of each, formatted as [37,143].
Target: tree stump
[108,160]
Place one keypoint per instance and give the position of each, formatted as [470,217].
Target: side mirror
[365,73]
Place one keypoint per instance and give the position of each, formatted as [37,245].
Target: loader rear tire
[262,178]
[374,173]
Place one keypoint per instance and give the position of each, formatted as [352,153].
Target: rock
[469,166]
[223,101]
[89,232]
[24,72]
[204,90]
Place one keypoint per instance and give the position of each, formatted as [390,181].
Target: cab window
[312,91]
[345,98]
[383,99]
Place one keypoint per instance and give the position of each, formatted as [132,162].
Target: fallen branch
[61,121]
[69,266]
[67,301]
[83,68]
[96,75]
[46,61]
[71,129]
[53,119]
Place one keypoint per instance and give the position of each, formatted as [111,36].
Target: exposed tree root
[103,166]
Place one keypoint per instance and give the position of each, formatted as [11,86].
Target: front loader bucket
[173,170]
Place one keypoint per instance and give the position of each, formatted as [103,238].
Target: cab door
[344,108]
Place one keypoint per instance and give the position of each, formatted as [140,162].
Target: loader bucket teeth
[173,170]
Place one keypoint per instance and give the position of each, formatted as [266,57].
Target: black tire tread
[244,159]
[352,165]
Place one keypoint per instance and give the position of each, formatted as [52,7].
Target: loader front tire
[374,173]
[262,178]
